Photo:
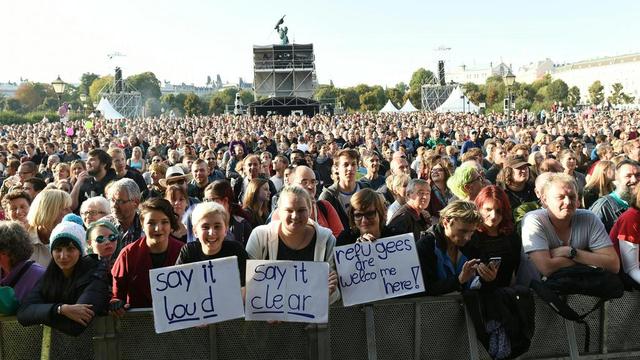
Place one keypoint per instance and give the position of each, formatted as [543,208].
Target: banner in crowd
[195,294]
[386,268]
[296,291]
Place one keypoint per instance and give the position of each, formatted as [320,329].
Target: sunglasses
[101,238]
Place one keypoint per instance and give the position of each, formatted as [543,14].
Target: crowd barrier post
[471,335]
[371,332]
[417,337]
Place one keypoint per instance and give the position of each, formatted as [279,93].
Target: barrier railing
[425,328]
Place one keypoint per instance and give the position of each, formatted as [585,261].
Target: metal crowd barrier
[425,328]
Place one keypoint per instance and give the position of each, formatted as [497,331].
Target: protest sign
[386,268]
[194,294]
[296,291]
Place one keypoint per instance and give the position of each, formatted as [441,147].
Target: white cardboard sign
[195,294]
[296,291]
[386,268]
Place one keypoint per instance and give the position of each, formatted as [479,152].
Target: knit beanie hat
[68,230]
[73,218]
[104,223]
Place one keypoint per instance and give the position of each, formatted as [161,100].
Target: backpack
[503,318]
[578,279]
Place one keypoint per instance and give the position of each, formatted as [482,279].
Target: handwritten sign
[386,268]
[296,291]
[195,294]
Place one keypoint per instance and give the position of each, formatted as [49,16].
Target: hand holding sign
[195,294]
[370,271]
[287,291]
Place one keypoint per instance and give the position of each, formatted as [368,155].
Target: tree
[421,77]
[326,92]
[618,96]
[350,99]
[395,96]
[557,90]
[146,83]
[31,95]
[473,92]
[152,107]
[596,93]
[192,105]
[85,82]
[368,101]
[97,85]
[402,87]
[573,97]
[12,104]
[208,80]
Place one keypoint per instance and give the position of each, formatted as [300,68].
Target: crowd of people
[89,214]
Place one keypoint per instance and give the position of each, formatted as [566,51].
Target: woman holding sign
[157,248]
[210,224]
[366,219]
[295,236]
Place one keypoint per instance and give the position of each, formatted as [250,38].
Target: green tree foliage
[474,92]
[596,93]
[97,85]
[573,97]
[395,95]
[350,99]
[368,101]
[152,107]
[402,87]
[326,92]
[192,105]
[12,105]
[618,96]
[557,90]
[146,83]
[31,95]
[220,100]
[85,82]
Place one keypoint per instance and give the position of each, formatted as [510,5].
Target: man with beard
[92,182]
[608,208]
[119,165]
[560,235]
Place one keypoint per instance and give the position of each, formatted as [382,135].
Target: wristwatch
[572,252]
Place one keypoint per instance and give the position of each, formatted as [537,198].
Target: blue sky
[374,42]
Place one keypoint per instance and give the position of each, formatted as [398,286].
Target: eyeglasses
[211,159]
[101,238]
[156,160]
[306,182]
[92,213]
[119,202]
[369,215]
[475,179]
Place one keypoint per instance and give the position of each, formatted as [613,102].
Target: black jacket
[407,220]
[426,248]
[331,194]
[89,288]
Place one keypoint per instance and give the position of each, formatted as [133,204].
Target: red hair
[498,195]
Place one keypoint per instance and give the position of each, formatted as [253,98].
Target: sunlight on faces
[367,220]
[293,212]
[210,231]
[561,200]
[457,231]
[419,198]
[157,226]
[106,248]
[347,168]
[18,210]
[491,214]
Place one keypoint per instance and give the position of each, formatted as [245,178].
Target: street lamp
[509,80]
[58,88]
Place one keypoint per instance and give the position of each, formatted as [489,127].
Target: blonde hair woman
[295,236]
[46,211]
[600,182]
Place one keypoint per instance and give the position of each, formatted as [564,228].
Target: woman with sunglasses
[367,217]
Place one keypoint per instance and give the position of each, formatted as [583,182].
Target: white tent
[389,108]
[457,102]
[108,111]
[408,107]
